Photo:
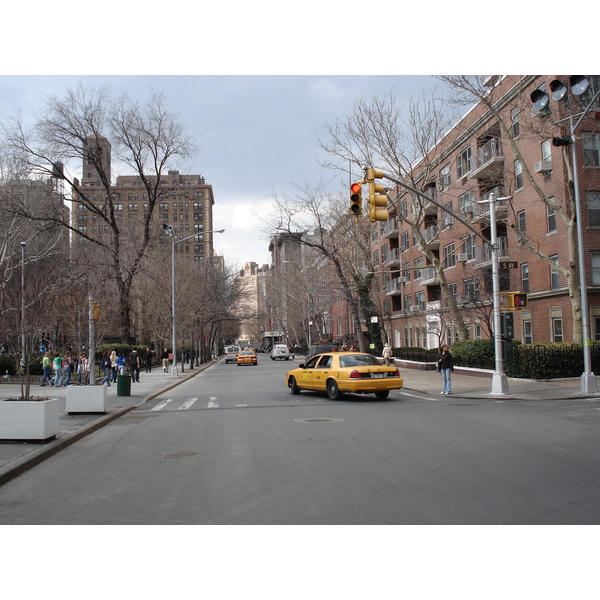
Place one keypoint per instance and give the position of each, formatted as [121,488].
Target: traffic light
[519,300]
[356,199]
[96,311]
[378,200]
[563,140]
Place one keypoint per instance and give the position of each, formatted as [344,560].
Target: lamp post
[171,233]
[539,98]
[23,246]
[499,379]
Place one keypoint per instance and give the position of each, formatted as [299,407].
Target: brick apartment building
[476,159]
[186,204]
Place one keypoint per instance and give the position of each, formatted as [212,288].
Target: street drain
[179,454]
[318,420]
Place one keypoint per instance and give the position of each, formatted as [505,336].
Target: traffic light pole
[499,378]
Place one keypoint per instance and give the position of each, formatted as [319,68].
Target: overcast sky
[258,135]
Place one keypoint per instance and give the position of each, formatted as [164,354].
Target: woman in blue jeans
[105,365]
[445,367]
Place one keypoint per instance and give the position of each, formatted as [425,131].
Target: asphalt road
[233,446]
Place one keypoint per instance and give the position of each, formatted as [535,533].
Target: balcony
[432,238]
[392,258]
[429,276]
[489,162]
[483,253]
[393,287]
[389,228]
[481,212]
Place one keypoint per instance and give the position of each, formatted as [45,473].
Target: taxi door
[320,373]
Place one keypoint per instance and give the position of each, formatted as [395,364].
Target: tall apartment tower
[185,202]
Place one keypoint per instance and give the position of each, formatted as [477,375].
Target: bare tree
[147,139]
[399,138]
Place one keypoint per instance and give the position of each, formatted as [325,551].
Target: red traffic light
[355,188]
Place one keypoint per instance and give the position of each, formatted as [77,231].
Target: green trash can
[123,385]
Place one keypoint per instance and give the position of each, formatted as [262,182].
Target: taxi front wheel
[294,386]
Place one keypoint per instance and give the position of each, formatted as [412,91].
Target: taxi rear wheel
[333,391]
[382,395]
[294,386]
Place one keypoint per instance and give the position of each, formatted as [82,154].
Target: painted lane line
[212,403]
[162,404]
[187,404]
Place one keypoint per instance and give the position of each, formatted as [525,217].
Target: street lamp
[579,84]
[23,246]
[170,231]
[499,378]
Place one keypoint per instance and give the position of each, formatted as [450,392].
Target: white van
[280,351]
[231,353]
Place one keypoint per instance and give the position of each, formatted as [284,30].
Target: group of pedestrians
[63,367]
[111,363]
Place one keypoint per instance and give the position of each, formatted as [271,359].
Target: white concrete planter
[28,419]
[86,399]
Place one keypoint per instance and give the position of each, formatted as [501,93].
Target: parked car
[319,349]
[280,351]
[247,357]
[339,372]
[231,353]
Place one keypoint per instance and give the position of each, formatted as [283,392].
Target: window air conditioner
[401,279]
[461,257]
[414,308]
[544,166]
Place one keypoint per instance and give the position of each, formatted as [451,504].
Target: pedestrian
[67,368]
[58,373]
[148,360]
[165,360]
[83,369]
[105,365]
[387,354]
[113,366]
[445,367]
[46,364]
[134,365]
[121,362]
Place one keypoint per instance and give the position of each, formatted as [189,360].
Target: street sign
[508,264]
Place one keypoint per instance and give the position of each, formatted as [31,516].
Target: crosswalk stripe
[187,404]
[213,403]
[162,404]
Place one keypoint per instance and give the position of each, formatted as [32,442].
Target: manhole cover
[318,420]
[179,454]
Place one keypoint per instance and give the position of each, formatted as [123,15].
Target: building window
[514,114]
[472,289]
[527,335]
[449,256]
[518,175]
[595,257]
[420,299]
[591,149]
[444,176]
[447,219]
[593,208]
[418,264]
[525,278]
[468,246]
[521,223]
[546,150]
[463,163]
[465,203]
[404,241]
[557,330]
[554,274]
[550,216]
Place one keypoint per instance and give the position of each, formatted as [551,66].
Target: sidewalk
[17,457]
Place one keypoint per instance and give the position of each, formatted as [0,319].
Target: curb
[19,466]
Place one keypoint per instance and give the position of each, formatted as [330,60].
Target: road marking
[162,404]
[187,404]
[212,403]
[422,397]
[238,405]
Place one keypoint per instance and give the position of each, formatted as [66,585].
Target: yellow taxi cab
[247,357]
[339,372]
